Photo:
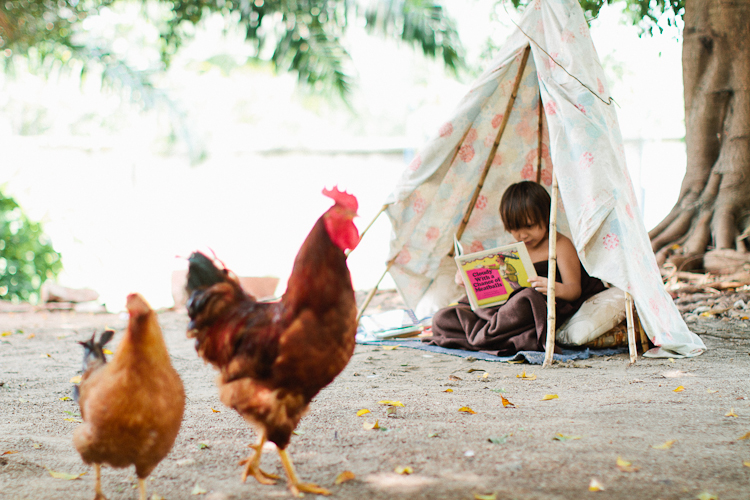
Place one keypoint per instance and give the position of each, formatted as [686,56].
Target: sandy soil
[604,410]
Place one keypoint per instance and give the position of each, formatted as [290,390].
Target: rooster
[131,406]
[274,357]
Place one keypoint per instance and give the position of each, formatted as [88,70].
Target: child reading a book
[520,324]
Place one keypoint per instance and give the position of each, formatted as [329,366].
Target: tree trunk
[713,208]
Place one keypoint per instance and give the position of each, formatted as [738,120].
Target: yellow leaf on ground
[664,446]
[731,413]
[547,397]
[563,437]
[711,391]
[215,411]
[448,390]
[523,376]
[76,380]
[106,351]
[9,452]
[45,355]
[36,445]
[595,485]
[746,436]
[64,398]
[6,334]
[368,426]
[64,475]
[390,347]
[198,490]
[477,496]
[73,420]
[403,470]
[363,411]
[625,466]
[707,496]
[30,336]
[746,463]
[466,409]
[391,403]
[486,375]
[671,360]
[679,389]
[345,476]
[507,403]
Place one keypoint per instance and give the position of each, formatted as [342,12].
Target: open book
[492,275]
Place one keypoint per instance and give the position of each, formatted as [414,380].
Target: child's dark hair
[525,203]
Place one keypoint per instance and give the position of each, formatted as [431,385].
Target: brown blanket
[518,325]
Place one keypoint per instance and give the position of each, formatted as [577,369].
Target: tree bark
[713,207]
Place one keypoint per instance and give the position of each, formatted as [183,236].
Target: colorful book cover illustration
[491,276]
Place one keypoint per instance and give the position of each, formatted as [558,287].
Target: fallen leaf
[106,351]
[595,485]
[198,490]
[73,420]
[23,400]
[746,464]
[390,347]
[501,391]
[664,446]
[746,436]
[707,496]
[203,446]
[679,389]
[486,375]
[711,391]
[65,398]
[345,476]
[156,497]
[731,413]
[433,434]
[453,377]
[391,403]
[466,409]
[297,432]
[403,470]
[492,496]
[391,411]
[45,355]
[36,445]
[6,334]
[9,452]
[76,380]
[671,360]
[547,397]
[526,377]
[472,370]
[30,336]
[625,466]
[516,362]
[368,426]
[499,440]
[215,411]
[448,390]
[563,437]
[363,411]
[507,403]
[64,475]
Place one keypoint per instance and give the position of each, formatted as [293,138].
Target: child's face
[532,235]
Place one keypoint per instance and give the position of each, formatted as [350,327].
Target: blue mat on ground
[532,357]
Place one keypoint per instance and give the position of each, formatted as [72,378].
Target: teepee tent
[543,102]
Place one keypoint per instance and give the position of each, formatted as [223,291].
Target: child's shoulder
[564,244]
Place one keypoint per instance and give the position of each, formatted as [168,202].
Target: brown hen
[131,406]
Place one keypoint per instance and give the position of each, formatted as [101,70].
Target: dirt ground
[604,410]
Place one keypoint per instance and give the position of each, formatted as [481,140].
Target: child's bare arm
[570,271]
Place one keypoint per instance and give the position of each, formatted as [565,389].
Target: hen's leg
[253,464]
[294,485]
[98,486]
[142,488]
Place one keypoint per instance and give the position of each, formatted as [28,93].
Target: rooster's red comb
[346,200]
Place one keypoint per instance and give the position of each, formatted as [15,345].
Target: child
[521,323]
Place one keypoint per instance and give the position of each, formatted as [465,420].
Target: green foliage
[27,258]
[643,13]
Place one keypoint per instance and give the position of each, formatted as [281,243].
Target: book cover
[491,276]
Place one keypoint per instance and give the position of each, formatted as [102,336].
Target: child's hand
[539,284]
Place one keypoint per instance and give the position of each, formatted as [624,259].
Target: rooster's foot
[299,488]
[260,475]
[100,496]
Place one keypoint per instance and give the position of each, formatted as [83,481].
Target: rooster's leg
[253,464]
[98,484]
[142,488]
[294,485]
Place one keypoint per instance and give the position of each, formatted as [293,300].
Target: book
[491,276]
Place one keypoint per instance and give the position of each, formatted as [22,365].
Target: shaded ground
[613,411]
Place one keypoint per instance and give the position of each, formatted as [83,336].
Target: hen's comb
[342,198]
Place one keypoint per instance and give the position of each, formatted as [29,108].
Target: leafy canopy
[27,258]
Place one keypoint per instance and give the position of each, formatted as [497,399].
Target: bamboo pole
[372,293]
[631,327]
[539,143]
[644,337]
[549,348]
[493,151]
[362,234]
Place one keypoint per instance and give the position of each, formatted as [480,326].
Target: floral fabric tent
[543,101]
